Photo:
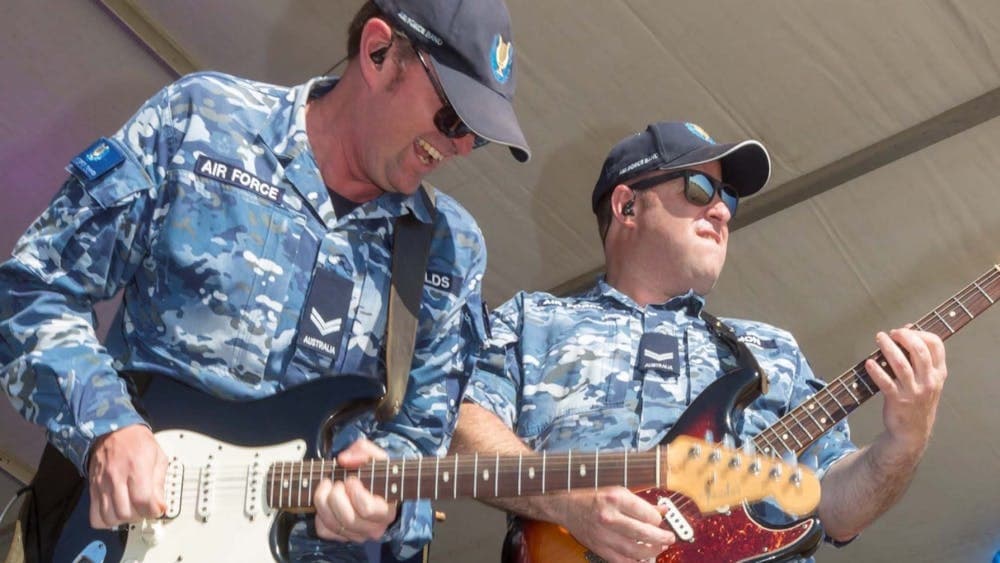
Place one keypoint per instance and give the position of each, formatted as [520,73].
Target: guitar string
[839,387]
[971,295]
[832,392]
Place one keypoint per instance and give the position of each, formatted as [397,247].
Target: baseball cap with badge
[675,145]
[469,43]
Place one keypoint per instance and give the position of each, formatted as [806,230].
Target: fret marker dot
[285,484]
[395,470]
[883,363]
[445,477]
[305,484]
[784,436]
[531,473]
[393,488]
[951,313]
[486,475]
[583,471]
[854,385]
[767,450]
[812,406]
[823,419]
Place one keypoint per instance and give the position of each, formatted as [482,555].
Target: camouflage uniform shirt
[567,373]
[207,210]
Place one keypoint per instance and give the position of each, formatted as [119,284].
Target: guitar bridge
[681,527]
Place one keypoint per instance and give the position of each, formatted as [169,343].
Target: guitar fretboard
[289,485]
[802,426]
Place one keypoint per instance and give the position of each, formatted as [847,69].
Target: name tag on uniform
[757,341]
[322,326]
[442,281]
[659,352]
[233,175]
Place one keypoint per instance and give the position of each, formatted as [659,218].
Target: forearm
[478,430]
[55,370]
[864,485]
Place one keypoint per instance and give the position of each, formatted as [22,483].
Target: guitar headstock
[715,476]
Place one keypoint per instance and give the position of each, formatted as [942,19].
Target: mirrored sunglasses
[699,188]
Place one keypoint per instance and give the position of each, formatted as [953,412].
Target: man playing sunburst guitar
[616,366]
[250,228]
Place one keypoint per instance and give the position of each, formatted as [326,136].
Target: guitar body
[724,537]
[251,434]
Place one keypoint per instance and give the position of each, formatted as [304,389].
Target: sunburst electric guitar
[236,478]
[738,533]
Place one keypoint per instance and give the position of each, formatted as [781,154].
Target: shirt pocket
[228,259]
[576,372]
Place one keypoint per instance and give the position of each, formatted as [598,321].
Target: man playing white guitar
[250,228]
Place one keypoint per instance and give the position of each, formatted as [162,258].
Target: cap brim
[746,166]
[487,113]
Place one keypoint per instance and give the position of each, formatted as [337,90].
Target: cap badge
[698,131]
[503,56]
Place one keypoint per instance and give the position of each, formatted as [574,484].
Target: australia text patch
[235,176]
[322,325]
[97,159]
[659,352]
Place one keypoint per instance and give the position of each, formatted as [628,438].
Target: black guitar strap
[411,246]
[744,357]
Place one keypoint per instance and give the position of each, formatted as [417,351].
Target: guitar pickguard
[220,514]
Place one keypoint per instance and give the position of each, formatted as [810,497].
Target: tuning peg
[715,456]
[796,478]
[749,447]
[728,441]
[775,472]
[735,462]
[709,437]
[755,466]
[695,451]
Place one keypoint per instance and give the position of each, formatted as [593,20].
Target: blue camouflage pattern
[214,226]
[566,373]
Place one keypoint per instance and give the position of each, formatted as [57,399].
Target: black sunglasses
[699,188]
[446,119]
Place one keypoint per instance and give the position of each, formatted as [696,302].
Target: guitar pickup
[676,520]
[253,497]
[174,488]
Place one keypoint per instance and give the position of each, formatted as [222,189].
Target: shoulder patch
[98,159]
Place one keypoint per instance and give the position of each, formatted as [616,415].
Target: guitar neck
[290,484]
[802,426]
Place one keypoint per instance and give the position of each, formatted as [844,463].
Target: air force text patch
[97,159]
[236,176]
[322,325]
[659,352]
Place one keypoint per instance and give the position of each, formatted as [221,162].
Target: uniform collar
[391,205]
[285,134]
[691,302]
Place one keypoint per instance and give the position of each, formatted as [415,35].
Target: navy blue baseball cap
[675,145]
[469,42]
